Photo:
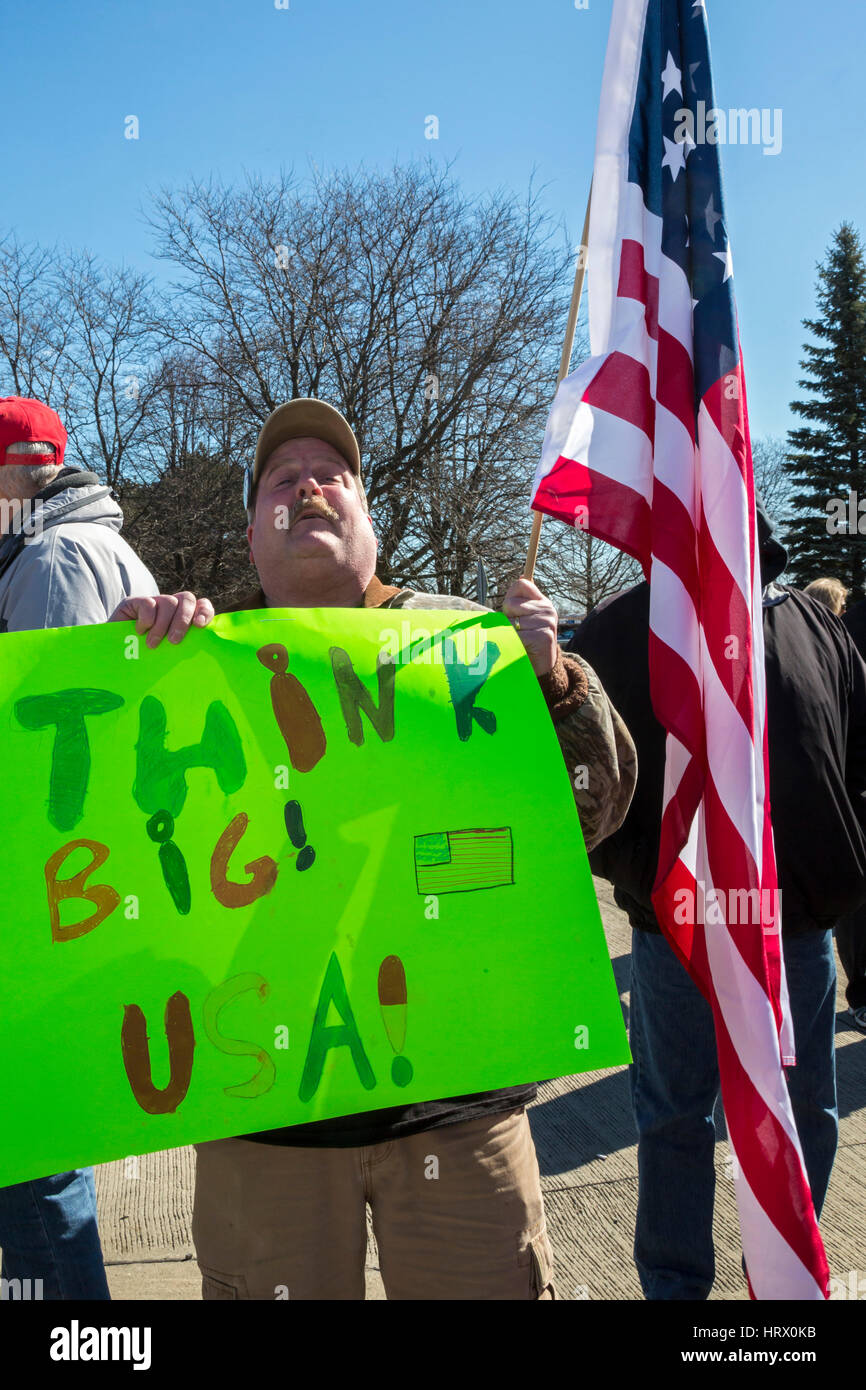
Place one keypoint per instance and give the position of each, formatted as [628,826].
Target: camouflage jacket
[596,745]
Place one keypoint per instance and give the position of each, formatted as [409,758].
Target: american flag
[647,447]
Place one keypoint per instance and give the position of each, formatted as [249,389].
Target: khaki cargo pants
[457,1214]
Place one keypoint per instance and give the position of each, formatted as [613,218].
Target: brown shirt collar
[375,595]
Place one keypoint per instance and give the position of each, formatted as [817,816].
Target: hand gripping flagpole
[565,363]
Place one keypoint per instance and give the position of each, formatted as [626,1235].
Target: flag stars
[672,78]
[676,153]
[728,260]
[712,218]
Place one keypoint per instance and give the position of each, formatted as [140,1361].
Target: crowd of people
[286,1209]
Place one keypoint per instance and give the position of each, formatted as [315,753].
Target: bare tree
[34,323]
[431,319]
[578,571]
[771,480]
[107,361]
[79,336]
[183,499]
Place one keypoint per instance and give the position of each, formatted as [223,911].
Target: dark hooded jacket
[816,719]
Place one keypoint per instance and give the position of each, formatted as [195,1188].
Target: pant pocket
[219,1286]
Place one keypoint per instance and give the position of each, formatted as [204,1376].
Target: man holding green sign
[453,1182]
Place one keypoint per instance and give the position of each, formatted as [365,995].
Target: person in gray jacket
[62,562]
[62,558]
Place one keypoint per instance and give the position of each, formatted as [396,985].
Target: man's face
[310,523]
[26,469]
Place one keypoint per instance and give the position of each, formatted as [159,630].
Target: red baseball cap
[25,422]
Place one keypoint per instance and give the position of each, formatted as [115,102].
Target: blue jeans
[675,1086]
[48,1232]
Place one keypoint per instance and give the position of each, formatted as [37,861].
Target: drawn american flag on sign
[647,447]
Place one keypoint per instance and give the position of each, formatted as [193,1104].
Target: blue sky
[220,86]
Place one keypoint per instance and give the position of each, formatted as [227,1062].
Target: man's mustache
[312,508]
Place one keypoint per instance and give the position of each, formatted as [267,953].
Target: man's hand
[535,618]
[172,614]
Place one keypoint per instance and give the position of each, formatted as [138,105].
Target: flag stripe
[676,380]
[622,388]
[618,515]
[636,283]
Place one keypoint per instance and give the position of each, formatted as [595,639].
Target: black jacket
[855,621]
[816,713]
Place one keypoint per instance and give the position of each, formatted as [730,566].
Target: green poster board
[306,863]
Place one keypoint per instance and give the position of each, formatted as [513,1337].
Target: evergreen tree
[827,457]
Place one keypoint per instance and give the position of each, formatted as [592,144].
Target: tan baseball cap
[306,418]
